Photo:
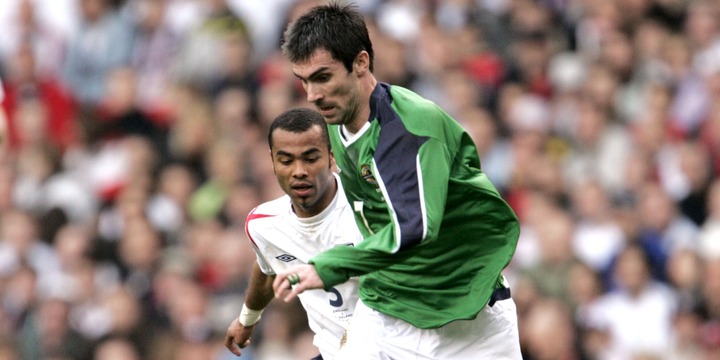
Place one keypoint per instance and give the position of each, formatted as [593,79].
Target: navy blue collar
[381,93]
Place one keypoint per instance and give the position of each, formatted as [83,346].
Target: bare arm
[258,296]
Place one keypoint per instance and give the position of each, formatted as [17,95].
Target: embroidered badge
[367,174]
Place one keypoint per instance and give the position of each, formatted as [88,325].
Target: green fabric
[470,231]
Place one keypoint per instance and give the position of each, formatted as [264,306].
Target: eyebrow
[304,153]
[314,74]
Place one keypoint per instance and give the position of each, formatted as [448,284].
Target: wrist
[249,317]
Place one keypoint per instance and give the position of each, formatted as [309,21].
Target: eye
[322,78]
[285,161]
[312,159]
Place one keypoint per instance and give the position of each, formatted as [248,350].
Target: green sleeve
[383,247]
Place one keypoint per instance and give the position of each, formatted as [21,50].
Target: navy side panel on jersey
[396,160]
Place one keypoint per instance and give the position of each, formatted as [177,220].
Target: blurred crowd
[137,146]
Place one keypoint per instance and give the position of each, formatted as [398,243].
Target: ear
[333,163]
[272,161]
[361,65]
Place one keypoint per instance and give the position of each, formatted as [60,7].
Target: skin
[303,168]
[260,293]
[302,164]
[343,98]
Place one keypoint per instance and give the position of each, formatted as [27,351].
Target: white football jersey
[281,240]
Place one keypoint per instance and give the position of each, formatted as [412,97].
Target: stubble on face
[349,111]
[337,89]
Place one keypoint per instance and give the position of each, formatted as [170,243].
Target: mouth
[302,190]
[326,110]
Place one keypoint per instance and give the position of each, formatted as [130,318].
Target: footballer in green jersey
[437,234]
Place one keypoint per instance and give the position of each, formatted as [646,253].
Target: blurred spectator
[709,309]
[493,149]
[188,332]
[102,42]
[663,229]
[7,350]
[599,148]
[235,70]
[122,115]
[532,47]
[193,131]
[551,275]
[46,334]
[391,63]
[597,238]
[710,231]
[27,24]
[242,198]
[20,289]
[685,269]
[116,349]
[637,316]
[29,92]
[709,137]
[545,317]
[224,169]
[585,286]
[19,245]
[264,24]
[167,208]
[37,165]
[695,166]
[198,62]
[156,44]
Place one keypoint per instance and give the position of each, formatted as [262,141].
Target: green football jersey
[436,232]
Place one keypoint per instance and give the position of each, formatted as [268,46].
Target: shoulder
[268,210]
[406,100]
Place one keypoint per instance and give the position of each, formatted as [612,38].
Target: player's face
[333,90]
[303,166]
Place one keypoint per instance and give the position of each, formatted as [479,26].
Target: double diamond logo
[286,258]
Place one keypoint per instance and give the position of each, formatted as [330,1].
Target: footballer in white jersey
[282,239]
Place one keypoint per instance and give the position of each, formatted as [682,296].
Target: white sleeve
[264,265]
[262,262]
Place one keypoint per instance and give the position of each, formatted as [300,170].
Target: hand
[238,337]
[308,278]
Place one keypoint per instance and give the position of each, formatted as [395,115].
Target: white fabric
[636,325]
[596,244]
[277,234]
[493,334]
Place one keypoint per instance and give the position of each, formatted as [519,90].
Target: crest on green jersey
[367,174]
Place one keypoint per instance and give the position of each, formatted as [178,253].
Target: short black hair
[339,29]
[299,120]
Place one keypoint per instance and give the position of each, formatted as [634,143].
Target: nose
[313,93]
[299,170]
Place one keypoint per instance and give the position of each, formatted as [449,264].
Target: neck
[367,85]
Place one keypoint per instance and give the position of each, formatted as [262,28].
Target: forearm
[338,264]
[260,290]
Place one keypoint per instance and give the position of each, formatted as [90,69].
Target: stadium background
[137,146]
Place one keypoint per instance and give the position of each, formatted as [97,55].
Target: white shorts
[493,334]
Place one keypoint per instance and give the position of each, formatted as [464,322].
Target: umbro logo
[286,258]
